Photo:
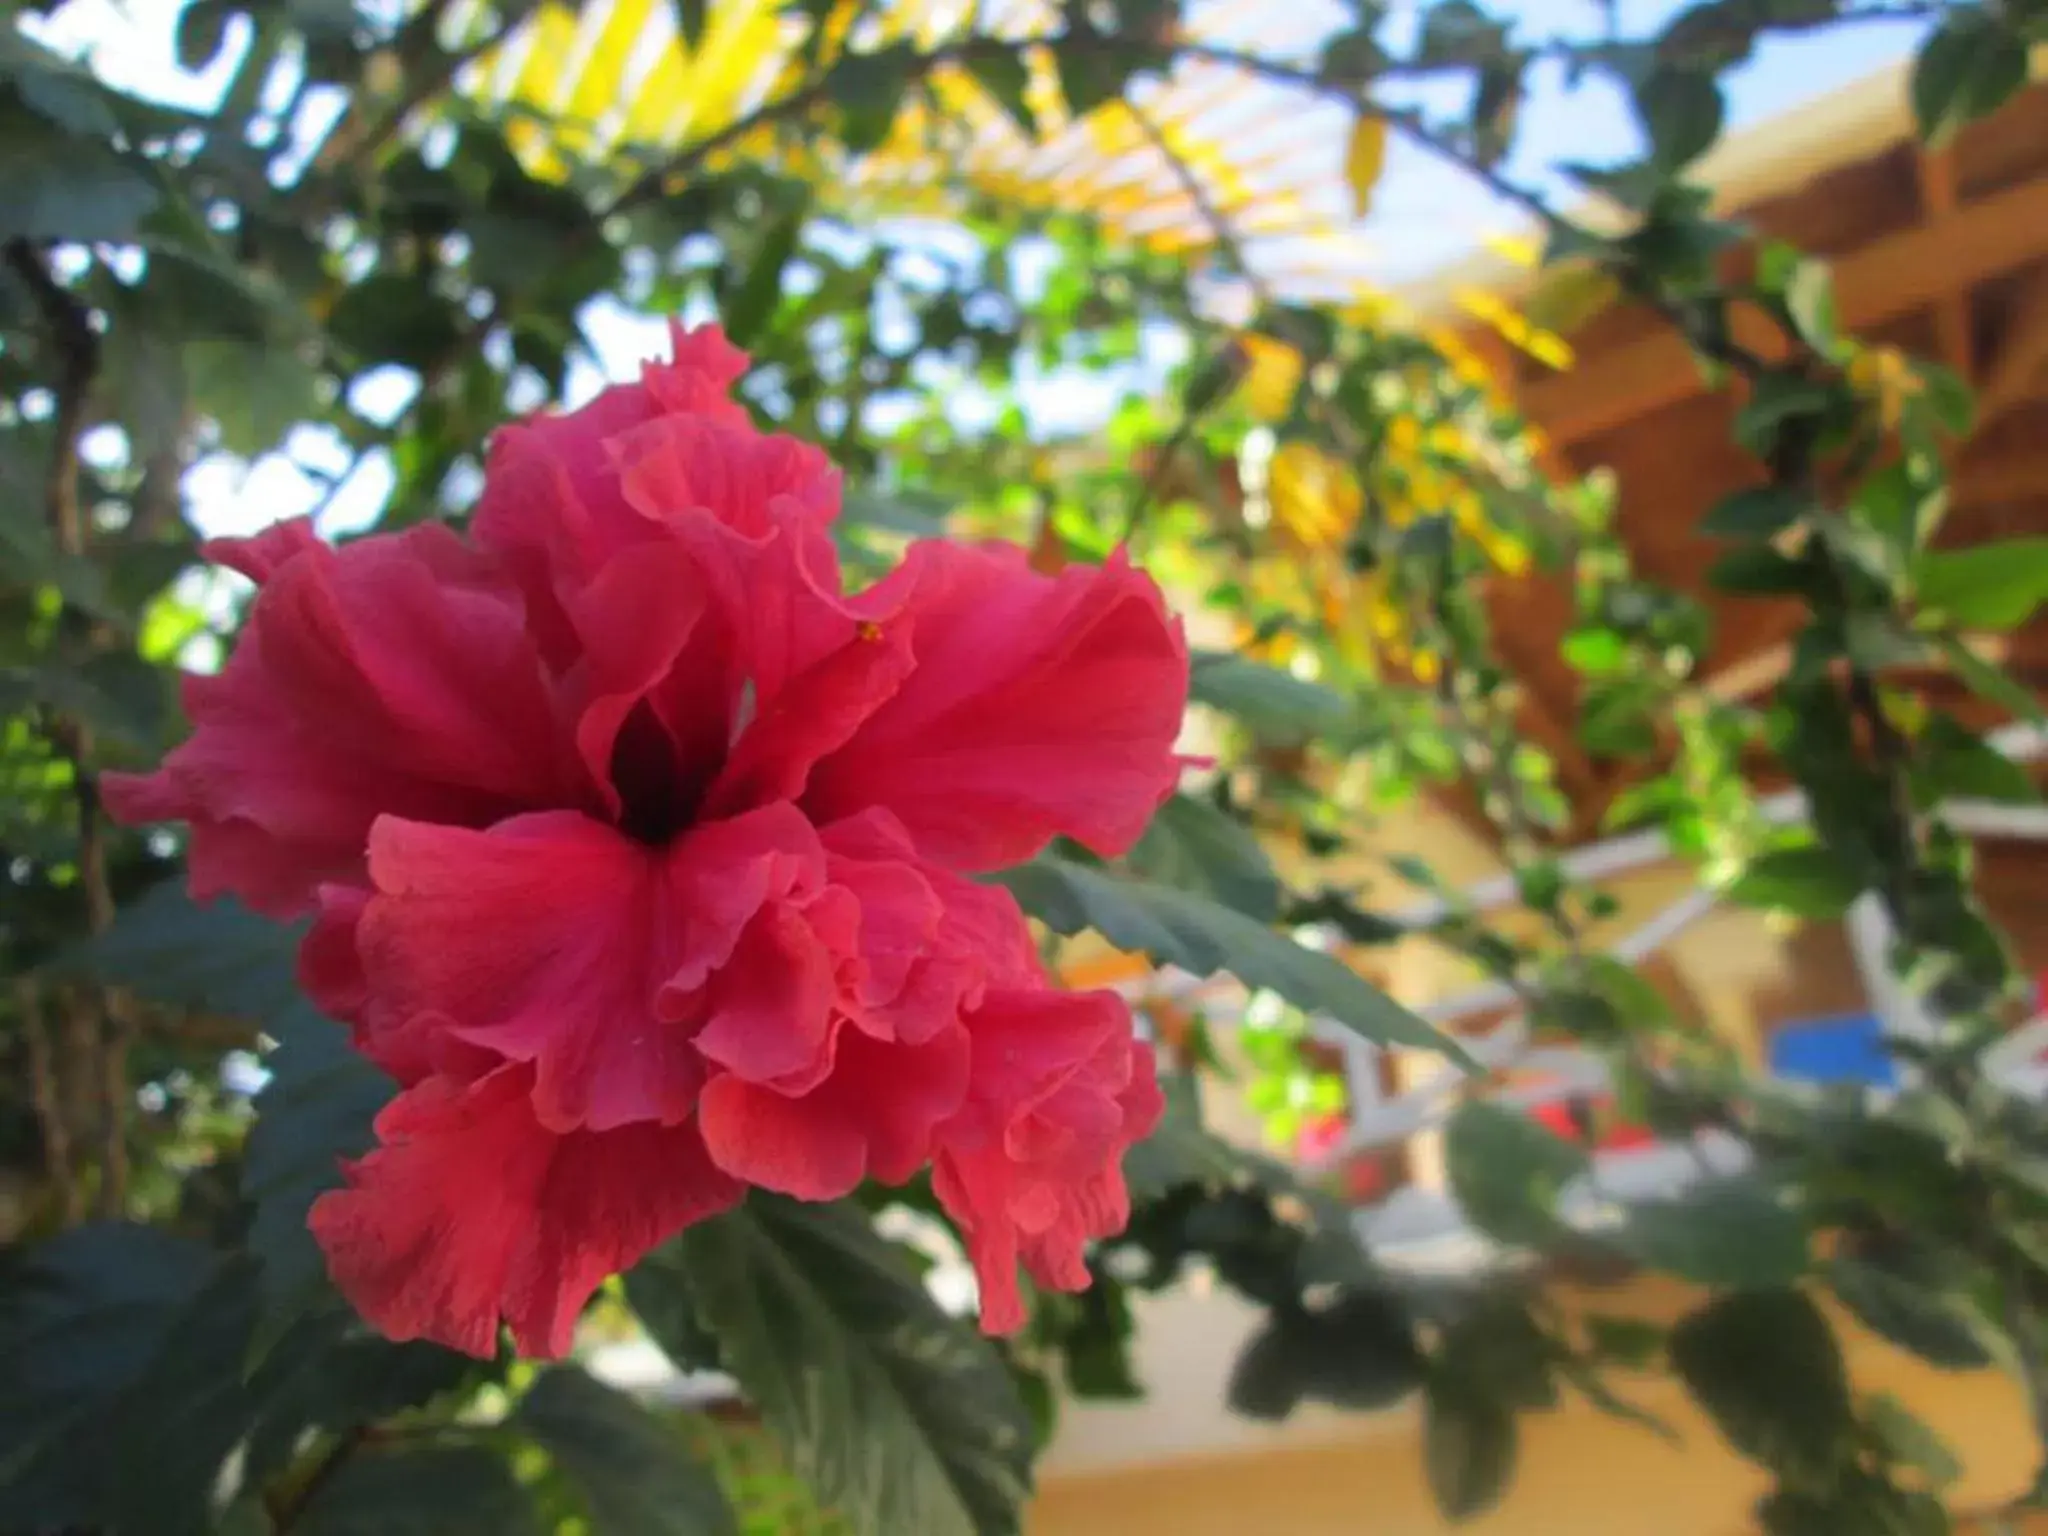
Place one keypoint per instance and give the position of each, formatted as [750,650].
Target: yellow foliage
[1364,160]
[1272,374]
[1315,499]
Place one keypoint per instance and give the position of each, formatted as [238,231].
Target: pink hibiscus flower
[636,849]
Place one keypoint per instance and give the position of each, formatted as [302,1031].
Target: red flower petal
[468,1212]
[393,676]
[1031,1167]
[545,940]
[872,1116]
[1039,705]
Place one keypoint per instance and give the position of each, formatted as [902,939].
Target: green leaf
[1989,681]
[1756,513]
[690,21]
[1778,400]
[1681,111]
[390,317]
[1193,846]
[636,1475]
[1966,70]
[899,1417]
[1809,297]
[1507,1172]
[1090,73]
[316,1110]
[202,33]
[56,188]
[427,1490]
[1766,1368]
[1758,570]
[868,88]
[1595,652]
[1808,880]
[1731,1232]
[1468,1450]
[215,956]
[1987,586]
[1358,1353]
[1909,1442]
[1273,705]
[753,302]
[1910,1309]
[1202,938]
[80,1319]
[1002,73]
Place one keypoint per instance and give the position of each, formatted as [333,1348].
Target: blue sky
[1423,217]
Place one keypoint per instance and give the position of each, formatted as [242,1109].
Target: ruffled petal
[392,676]
[1039,706]
[545,940]
[873,1116]
[469,1212]
[1030,1170]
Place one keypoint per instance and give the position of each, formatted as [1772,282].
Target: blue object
[1842,1050]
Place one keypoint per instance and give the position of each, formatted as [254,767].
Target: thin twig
[48,1101]
[75,345]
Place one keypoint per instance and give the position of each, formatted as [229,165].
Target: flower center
[658,795]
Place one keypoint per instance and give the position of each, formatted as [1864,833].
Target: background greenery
[378,245]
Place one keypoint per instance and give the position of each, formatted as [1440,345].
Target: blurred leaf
[1202,938]
[1468,1450]
[753,302]
[1908,1440]
[690,20]
[1003,75]
[636,1475]
[56,188]
[1730,1232]
[1908,1309]
[1766,1368]
[1989,681]
[1997,585]
[420,1490]
[1364,159]
[81,1317]
[1507,1172]
[1965,70]
[1808,880]
[1193,846]
[1756,513]
[1273,705]
[868,88]
[1681,111]
[898,1416]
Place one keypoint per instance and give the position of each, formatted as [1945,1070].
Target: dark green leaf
[1003,75]
[899,1417]
[690,21]
[1966,70]
[1808,880]
[1911,1309]
[1274,705]
[1681,111]
[427,1490]
[1508,1172]
[1986,586]
[1202,938]
[81,1317]
[1909,1442]
[1497,1351]
[202,31]
[1090,73]
[1468,1450]
[56,188]
[390,317]
[1989,681]
[1758,570]
[316,1110]
[1778,400]
[1756,513]
[868,88]
[1731,1232]
[215,956]
[1766,1368]
[636,1475]
[1193,846]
